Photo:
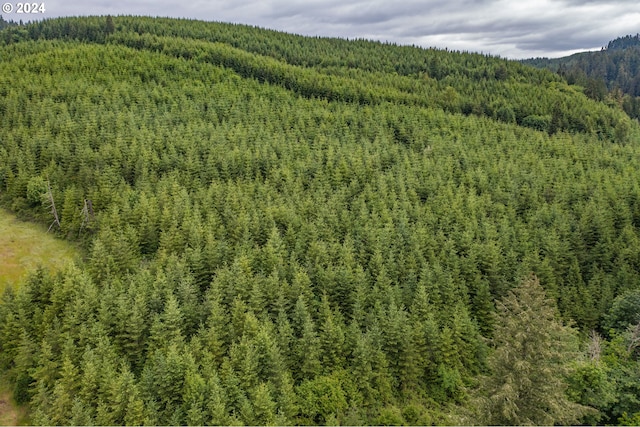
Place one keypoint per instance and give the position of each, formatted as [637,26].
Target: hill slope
[615,69]
[296,230]
[361,71]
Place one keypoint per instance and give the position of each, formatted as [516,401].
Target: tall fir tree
[530,362]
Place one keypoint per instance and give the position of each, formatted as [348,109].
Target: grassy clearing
[24,246]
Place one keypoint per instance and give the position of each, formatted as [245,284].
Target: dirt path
[9,414]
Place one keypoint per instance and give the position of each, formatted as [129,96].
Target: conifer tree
[307,348]
[263,406]
[530,362]
[166,327]
[331,338]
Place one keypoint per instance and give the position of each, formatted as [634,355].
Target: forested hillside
[613,72]
[290,230]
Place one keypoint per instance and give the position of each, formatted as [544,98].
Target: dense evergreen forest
[290,230]
[612,74]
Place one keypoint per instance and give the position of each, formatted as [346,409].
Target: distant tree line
[5,24]
[612,74]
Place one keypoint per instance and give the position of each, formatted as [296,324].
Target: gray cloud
[514,29]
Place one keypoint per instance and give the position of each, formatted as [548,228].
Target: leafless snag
[87,214]
[52,205]
[595,346]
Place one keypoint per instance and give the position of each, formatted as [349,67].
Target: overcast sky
[509,28]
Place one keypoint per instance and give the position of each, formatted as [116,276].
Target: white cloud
[515,29]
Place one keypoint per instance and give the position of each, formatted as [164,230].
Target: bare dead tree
[595,346]
[634,339]
[52,205]
[87,214]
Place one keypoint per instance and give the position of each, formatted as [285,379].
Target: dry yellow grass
[24,246]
